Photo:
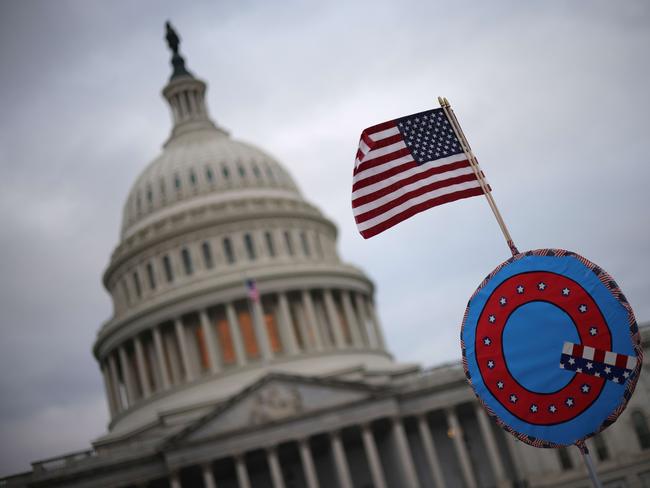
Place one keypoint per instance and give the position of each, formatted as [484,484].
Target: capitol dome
[224,273]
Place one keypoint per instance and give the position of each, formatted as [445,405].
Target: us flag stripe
[405,166]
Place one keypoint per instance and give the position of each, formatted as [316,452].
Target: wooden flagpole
[589,463]
[446,107]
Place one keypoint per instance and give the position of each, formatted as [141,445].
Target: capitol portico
[287,381]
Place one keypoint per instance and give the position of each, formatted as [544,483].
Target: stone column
[260,330]
[208,477]
[211,342]
[334,320]
[353,323]
[494,456]
[312,322]
[461,450]
[308,464]
[115,382]
[430,451]
[175,481]
[286,326]
[160,355]
[112,407]
[373,457]
[127,375]
[242,473]
[235,333]
[363,315]
[274,467]
[142,367]
[375,322]
[340,461]
[404,453]
[182,346]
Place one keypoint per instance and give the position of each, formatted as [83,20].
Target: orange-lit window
[225,340]
[248,334]
[202,345]
[272,331]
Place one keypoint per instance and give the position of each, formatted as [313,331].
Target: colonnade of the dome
[243,332]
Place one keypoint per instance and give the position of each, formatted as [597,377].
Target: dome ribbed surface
[200,164]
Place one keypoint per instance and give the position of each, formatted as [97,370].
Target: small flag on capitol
[253,292]
[408,165]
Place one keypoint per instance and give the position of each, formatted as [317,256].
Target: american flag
[253,292]
[405,166]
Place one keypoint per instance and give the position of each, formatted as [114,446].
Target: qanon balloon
[551,347]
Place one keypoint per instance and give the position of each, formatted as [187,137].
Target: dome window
[641,428]
[125,290]
[269,173]
[305,244]
[250,248]
[319,246]
[257,172]
[136,283]
[242,171]
[225,172]
[208,175]
[289,242]
[192,177]
[151,276]
[187,261]
[228,251]
[167,266]
[177,182]
[162,188]
[270,245]
[207,255]
[138,203]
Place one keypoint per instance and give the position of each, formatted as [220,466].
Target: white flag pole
[446,107]
[589,463]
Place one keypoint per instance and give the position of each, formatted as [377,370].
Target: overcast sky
[553,97]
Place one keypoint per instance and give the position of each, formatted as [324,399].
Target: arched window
[289,242]
[177,182]
[270,245]
[641,428]
[162,188]
[187,261]
[207,255]
[136,284]
[250,248]
[225,171]
[305,244]
[319,246]
[242,171]
[208,174]
[228,251]
[151,276]
[601,448]
[192,177]
[167,266]
[565,458]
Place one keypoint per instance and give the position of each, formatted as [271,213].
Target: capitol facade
[242,352]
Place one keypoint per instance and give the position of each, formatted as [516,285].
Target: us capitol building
[286,382]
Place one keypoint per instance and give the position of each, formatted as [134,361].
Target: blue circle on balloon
[549,323]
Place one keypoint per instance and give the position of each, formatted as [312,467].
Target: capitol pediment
[275,398]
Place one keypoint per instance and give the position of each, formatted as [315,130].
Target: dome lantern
[185,94]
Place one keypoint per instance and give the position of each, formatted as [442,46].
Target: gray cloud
[552,96]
